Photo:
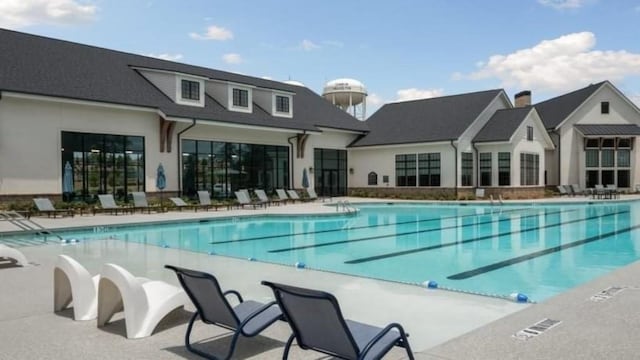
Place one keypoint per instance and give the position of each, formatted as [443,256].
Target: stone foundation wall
[448,193]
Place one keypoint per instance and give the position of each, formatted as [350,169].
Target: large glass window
[592,158]
[372,178]
[429,169]
[608,161]
[222,168]
[466,167]
[529,169]
[330,172]
[104,163]
[485,169]
[406,170]
[504,169]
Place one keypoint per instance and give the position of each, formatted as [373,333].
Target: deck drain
[536,329]
[607,293]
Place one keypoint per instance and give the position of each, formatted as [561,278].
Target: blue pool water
[537,250]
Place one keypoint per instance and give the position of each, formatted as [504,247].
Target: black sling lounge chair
[317,324]
[248,318]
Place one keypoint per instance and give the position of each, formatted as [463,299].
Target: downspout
[455,171]
[291,162]
[180,154]
[554,131]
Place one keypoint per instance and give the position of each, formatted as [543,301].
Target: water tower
[348,94]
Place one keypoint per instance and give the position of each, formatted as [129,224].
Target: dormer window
[282,104]
[240,98]
[190,90]
[604,107]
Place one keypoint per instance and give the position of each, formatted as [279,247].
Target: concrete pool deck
[442,324]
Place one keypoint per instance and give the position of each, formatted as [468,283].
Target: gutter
[455,171]
[291,162]
[180,154]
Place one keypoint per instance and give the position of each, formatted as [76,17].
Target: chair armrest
[237,294]
[256,313]
[382,333]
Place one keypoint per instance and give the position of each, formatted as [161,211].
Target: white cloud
[374,100]
[213,33]
[636,99]
[415,94]
[21,13]
[170,57]
[338,44]
[560,64]
[562,4]
[308,45]
[267,77]
[232,58]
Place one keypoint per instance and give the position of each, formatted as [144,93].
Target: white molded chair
[145,302]
[15,254]
[72,283]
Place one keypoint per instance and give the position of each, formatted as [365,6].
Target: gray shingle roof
[43,66]
[555,110]
[502,124]
[608,129]
[428,120]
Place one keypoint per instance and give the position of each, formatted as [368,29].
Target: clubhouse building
[114,117]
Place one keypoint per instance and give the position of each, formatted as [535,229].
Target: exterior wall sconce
[351,171]
[310,169]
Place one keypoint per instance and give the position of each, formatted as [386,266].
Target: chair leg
[187,343]
[287,347]
[405,344]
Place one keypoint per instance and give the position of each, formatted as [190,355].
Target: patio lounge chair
[293,195]
[72,283]
[248,318]
[145,301]
[318,324]
[282,195]
[108,204]
[180,204]
[312,194]
[140,202]
[562,190]
[205,200]
[243,200]
[45,206]
[262,196]
[11,257]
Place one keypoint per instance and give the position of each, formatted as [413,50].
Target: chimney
[523,98]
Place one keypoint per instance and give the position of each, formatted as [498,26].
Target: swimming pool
[537,250]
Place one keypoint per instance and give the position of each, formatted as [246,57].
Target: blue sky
[402,49]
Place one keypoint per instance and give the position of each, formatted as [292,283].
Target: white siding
[163,81]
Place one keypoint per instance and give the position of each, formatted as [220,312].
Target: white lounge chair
[243,200]
[262,196]
[282,195]
[107,203]
[72,283]
[145,301]
[7,252]
[293,195]
[45,206]
[140,202]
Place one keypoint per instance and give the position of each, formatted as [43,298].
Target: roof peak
[444,96]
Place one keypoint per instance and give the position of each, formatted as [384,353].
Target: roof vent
[523,98]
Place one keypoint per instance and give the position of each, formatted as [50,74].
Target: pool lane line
[439,246]
[338,242]
[498,265]
[357,227]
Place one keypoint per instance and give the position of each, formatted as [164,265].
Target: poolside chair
[243,200]
[10,257]
[72,283]
[262,196]
[577,190]
[45,206]
[293,195]
[312,196]
[612,190]
[145,302]
[318,324]
[248,318]
[180,204]
[600,192]
[205,200]
[479,193]
[562,190]
[108,204]
[140,203]
[282,195]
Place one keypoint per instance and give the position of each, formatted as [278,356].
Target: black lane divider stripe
[439,246]
[404,233]
[533,255]
[357,227]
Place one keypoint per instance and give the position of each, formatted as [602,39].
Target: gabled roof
[43,66]
[502,125]
[555,110]
[427,120]
[608,129]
